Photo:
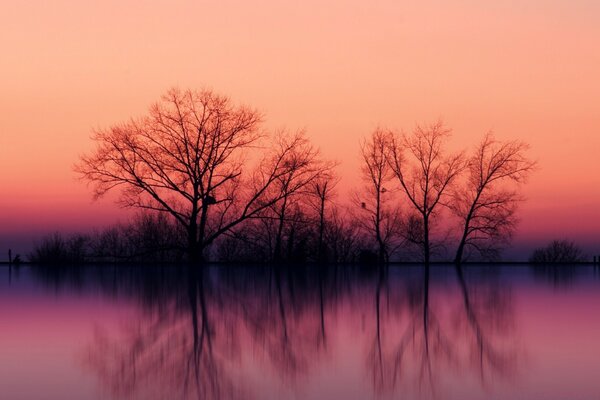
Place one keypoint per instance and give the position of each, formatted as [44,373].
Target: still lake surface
[300,333]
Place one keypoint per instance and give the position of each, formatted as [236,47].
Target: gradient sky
[526,69]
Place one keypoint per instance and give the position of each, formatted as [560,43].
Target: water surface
[303,333]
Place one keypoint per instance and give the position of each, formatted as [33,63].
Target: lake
[340,332]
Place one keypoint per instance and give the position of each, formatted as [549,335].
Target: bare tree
[322,191]
[303,168]
[484,205]
[425,174]
[186,158]
[342,235]
[382,219]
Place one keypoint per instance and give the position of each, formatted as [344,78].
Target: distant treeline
[153,238]
[146,238]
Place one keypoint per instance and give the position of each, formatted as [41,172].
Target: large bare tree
[425,174]
[188,158]
[486,203]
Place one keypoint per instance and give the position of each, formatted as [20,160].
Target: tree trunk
[381,259]
[202,233]
[290,244]
[193,248]
[277,256]
[426,251]
[320,256]
[460,250]
[461,246]
[277,250]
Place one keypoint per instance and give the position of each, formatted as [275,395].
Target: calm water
[304,333]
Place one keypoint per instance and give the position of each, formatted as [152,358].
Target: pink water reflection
[303,334]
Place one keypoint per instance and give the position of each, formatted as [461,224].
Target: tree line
[212,184]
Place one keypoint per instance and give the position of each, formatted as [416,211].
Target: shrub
[558,251]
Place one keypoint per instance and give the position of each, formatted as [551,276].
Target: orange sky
[526,69]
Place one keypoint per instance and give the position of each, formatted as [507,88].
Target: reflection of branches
[415,353]
[322,338]
[157,358]
[375,356]
[202,334]
[192,329]
[436,347]
[557,275]
[286,327]
[498,360]
[426,348]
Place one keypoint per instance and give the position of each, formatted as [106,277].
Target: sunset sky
[525,69]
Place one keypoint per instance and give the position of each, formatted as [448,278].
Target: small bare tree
[485,205]
[278,228]
[322,191]
[187,158]
[304,167]
[425,173]
[380,218]
[342,235]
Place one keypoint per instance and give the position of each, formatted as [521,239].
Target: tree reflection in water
[219,333]
[170,351]
[195,343]
[419,342]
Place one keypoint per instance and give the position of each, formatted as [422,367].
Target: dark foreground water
[303,333]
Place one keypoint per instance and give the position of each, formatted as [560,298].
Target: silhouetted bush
[559,251]
[56,249]
[146,238]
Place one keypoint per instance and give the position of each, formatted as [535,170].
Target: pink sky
[526,69]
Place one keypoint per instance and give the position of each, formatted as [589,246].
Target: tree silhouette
[304,167]
[485,206]
[285,228]
[425,174]
[558,251]
[342,235]
[322,190]
[379,218]
[187,158]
